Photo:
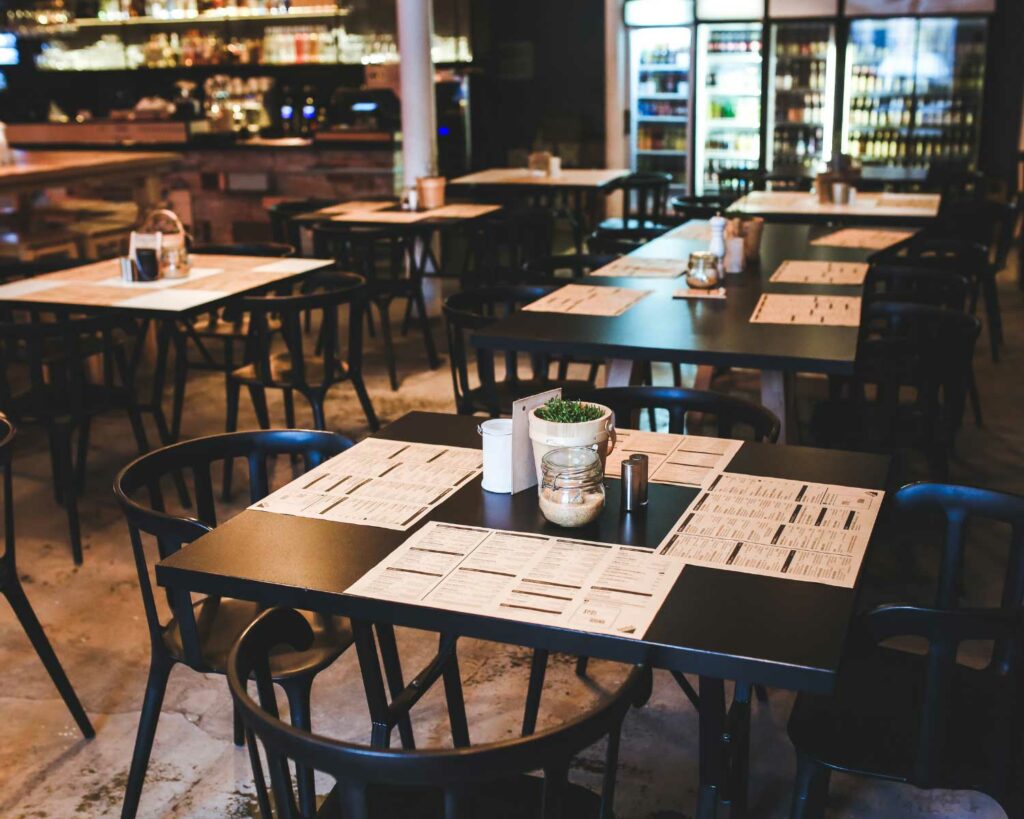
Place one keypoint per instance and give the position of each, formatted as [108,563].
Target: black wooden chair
[545,269]
[388,260]
[501,244]
[644,207]
[604,244]
[729,412]
[281,214]
[269,250]
[699,207]
[737,182]
[923,719]
[921,285]
[44,381]
[10,586]
[473,310]
[922,350]
[200,635]
[293,370]
[489,780]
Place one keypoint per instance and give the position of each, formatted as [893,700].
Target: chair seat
[36,406]
[220,329]
[509,392]
[870,725]
[516,798]
[282,373]
[221,622]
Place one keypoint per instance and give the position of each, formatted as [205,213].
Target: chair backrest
[51,350]
[944,690]
[473,310]
[273,250]
[644,198]
[737,182]
[729,412]
[149,473]
[615,244]
[920,285]
[372,252]
[322,293]
[967,258]
[699,207]
[959,505]
[926,348]
[7,434]
[282,228]
[455,775]
[576,265]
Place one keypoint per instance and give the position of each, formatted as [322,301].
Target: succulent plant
[568,412]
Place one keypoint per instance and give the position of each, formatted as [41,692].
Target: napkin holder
[430,192]
[544,163]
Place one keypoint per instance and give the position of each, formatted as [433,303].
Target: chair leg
[810,791]
[761,693]
[156,685]
[316,403]
[974,397]
[233,388]
[69,495]
[258,394]
[82,455]
[238,727]
[298,692]
[993,314]
[428,336]
[538,668]
[407,318]
[581,666]
[289,409]
[364,401]
[389,345]
[34,631]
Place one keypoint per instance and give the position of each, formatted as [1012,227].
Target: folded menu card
[779,308]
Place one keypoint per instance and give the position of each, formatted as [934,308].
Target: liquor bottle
[308,113]
[287,113]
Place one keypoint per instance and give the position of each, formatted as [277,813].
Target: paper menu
[834,311]
[683,460]
[864,238]
[641,267]
[377,482]
[588,300]
[778,528]
[593,587]
[795,271]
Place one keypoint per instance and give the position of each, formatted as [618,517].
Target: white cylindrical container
[497,444]
[734,254]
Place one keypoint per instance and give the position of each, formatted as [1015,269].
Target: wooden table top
[699,331]
[96,287]
[36,169]
[867,208]
[388,213]
[595,178]
[718,623]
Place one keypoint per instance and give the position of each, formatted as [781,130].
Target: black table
[717,624]
[703,332]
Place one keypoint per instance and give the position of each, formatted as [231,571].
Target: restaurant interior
[612,406]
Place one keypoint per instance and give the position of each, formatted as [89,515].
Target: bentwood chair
[491,780]
[644,207]
[473,310]
[45,381]
[501,244]
[283,228]
[387,258]
[199,635]
[546,269]
[10,586]
[910,386]
[293,370]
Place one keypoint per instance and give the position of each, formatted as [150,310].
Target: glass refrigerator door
[660,93]
[949,83]
[879,92]
[800,112]
[728,124]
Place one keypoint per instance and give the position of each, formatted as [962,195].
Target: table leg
[712,763]
[777,394]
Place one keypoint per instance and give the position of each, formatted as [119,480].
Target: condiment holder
[703,271]
[572,486]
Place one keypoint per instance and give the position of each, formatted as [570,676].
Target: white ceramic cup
[497,445]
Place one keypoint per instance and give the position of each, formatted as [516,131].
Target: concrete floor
[94,618]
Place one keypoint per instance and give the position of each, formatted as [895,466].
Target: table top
[719,623]
[591,178]
[388,214]
[698,331]
[98,287]
[867,208]
[40,168]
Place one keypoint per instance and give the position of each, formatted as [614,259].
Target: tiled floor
[94,617]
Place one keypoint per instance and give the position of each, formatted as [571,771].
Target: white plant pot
[548,435]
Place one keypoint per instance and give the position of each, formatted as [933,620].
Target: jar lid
[571,460]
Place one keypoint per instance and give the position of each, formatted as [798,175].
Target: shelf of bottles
[915,111]
[729,102]
[801,112]
[660,64]
[187,33]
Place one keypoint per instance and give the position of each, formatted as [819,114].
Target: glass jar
[572,486]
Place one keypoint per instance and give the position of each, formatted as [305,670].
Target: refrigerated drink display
[660,76]
[728,103]
[914,92]
[801,100]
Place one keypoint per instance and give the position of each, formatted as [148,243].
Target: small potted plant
[559,423]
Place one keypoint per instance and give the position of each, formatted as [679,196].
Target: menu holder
[524,470]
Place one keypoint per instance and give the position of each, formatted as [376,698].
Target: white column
[616,81]
[419,117]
